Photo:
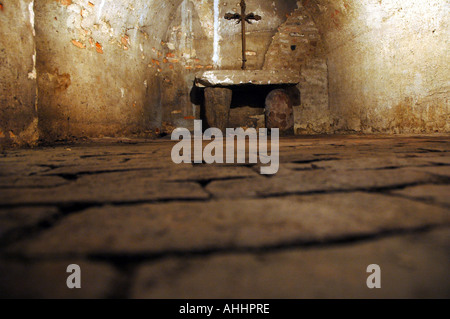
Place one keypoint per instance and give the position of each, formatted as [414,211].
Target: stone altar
[218,87]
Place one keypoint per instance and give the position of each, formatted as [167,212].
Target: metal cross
[243,17]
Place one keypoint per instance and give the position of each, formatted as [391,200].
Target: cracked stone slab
[38,160]
[317,181]
[435,149]
[240,77]
[332,162]
[31,181]
[303,157]
[12,219]
[13,169]
[438,194]
[224,225]
[443,171]
[105,188]
[181,172]
[107,167]
[47,280]
[208,172]
[443,160]
[412,266]
[97,166]
[366,163]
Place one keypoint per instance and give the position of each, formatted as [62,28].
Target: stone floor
[142,227]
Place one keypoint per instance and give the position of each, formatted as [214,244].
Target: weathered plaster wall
[93,66]
[388,64]
[18,117]
[126,68]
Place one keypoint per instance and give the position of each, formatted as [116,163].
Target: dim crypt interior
[91,91]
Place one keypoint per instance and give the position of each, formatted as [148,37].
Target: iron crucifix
[243,18]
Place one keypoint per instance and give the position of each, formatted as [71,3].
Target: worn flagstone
[141,226]
[412,266]
[47,280]
[160,228]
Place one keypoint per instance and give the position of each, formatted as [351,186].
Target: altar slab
[245,77]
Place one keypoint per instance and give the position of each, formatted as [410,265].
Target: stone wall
[126,68]
[94,67]
[18,117]
[388,64]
